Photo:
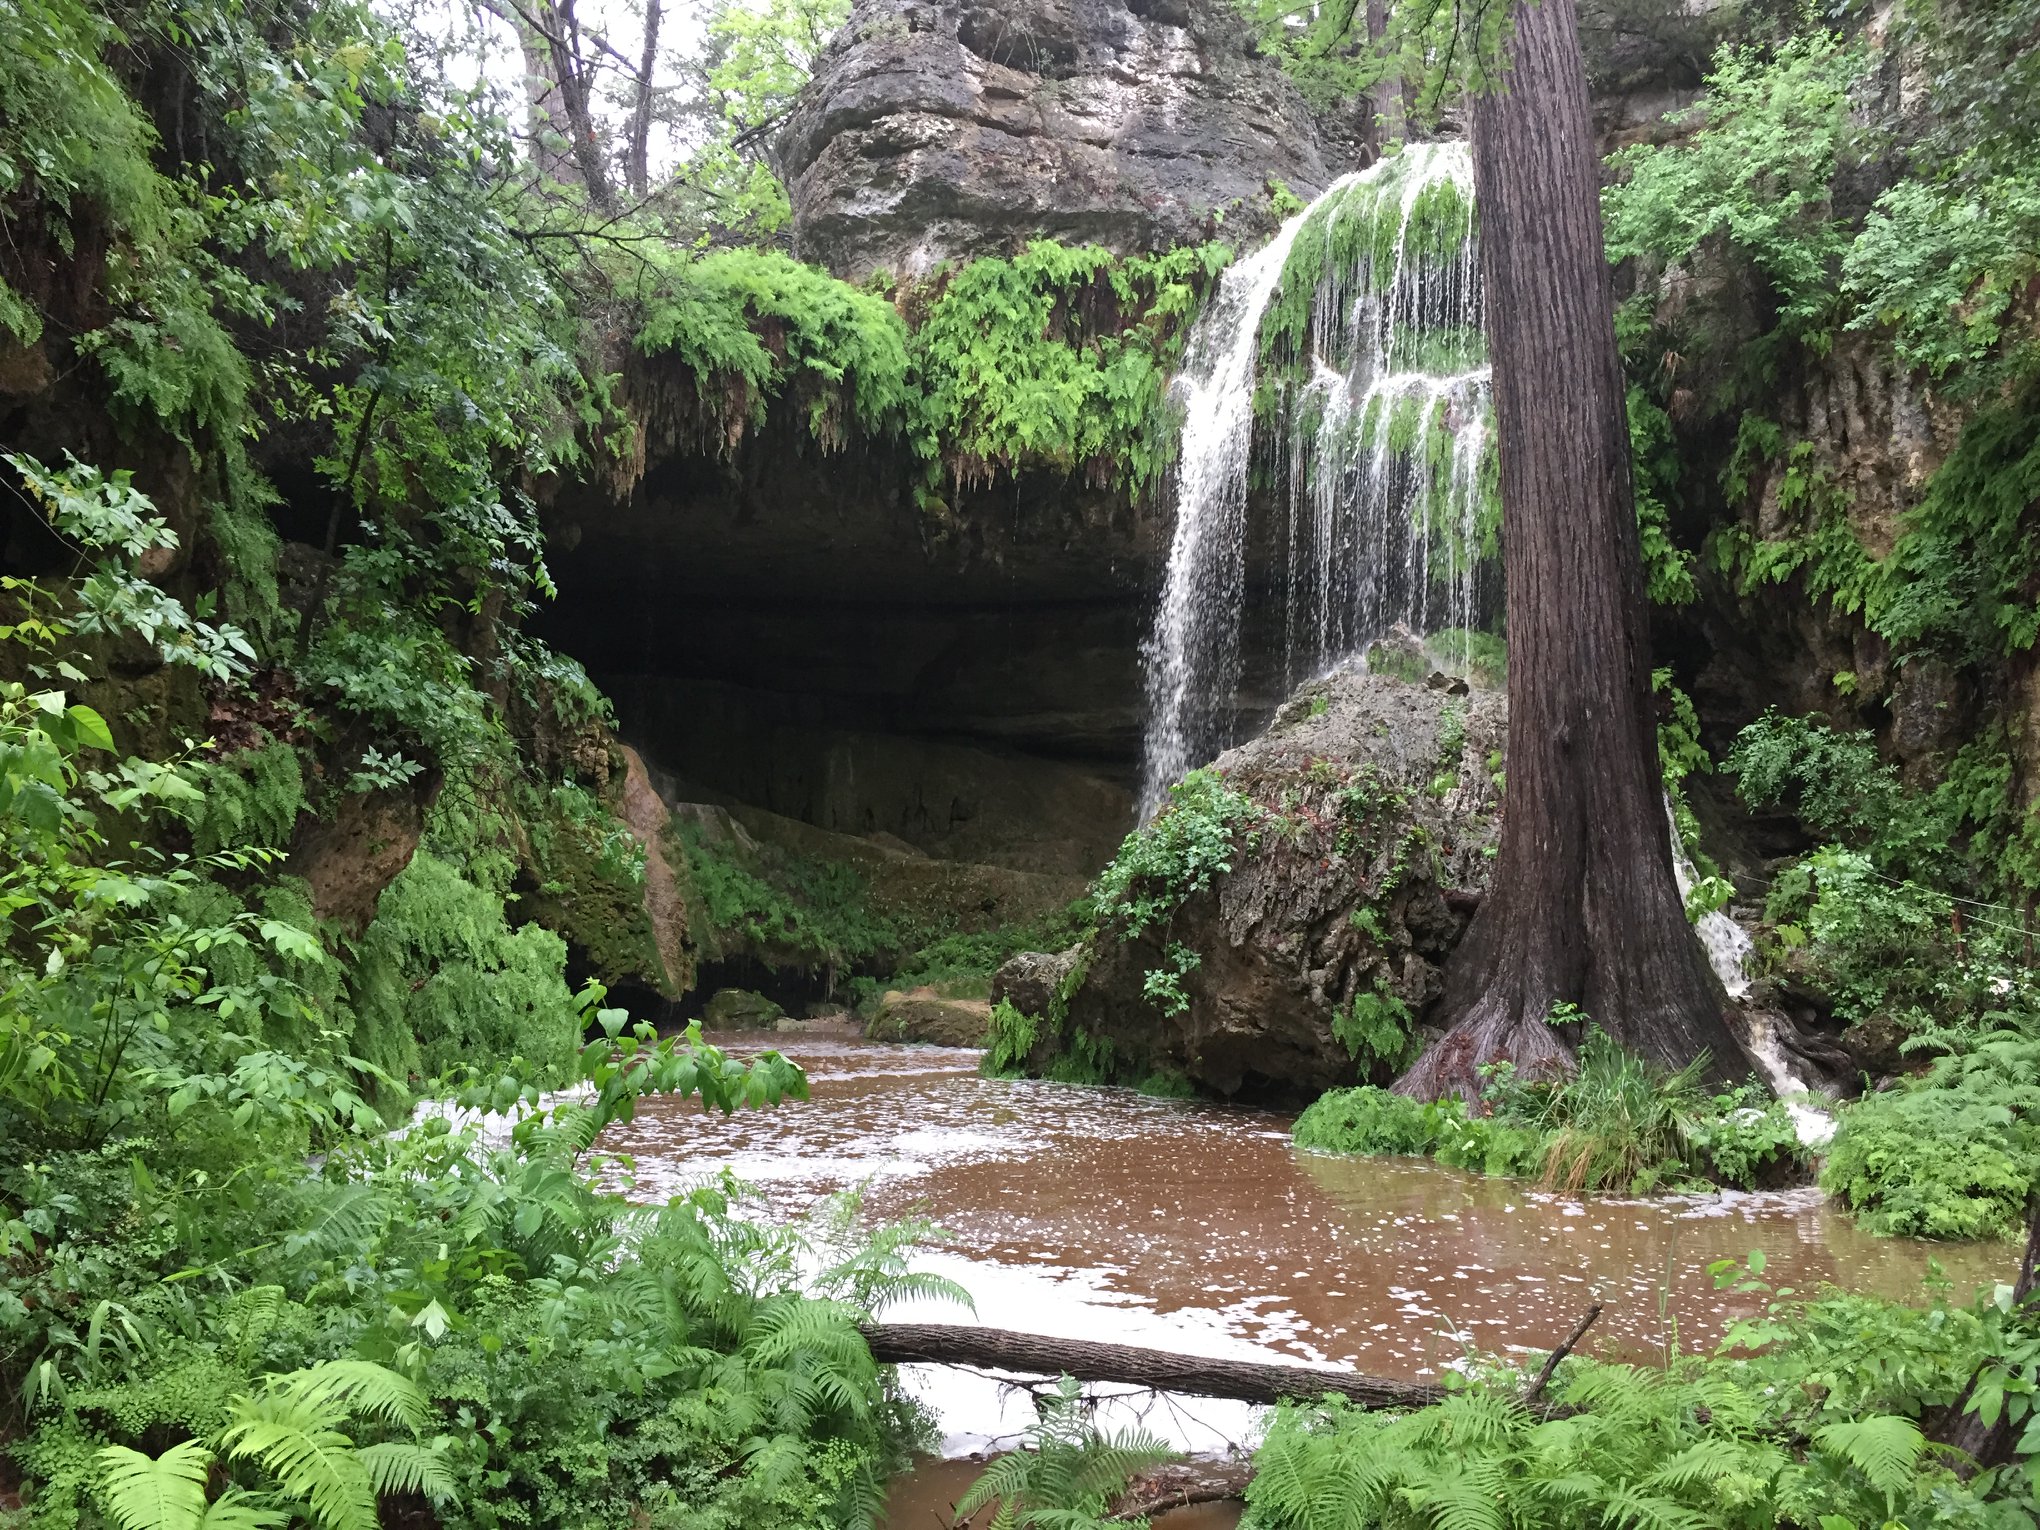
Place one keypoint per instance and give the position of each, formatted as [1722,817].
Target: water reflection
[1091,1213]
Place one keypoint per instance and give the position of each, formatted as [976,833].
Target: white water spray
[1192,662]
[1728,947]
[1375,394]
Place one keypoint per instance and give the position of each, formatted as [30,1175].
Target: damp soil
[1103,1214]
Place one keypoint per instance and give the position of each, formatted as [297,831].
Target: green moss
[591,886]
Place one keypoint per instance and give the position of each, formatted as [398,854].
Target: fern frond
[295,1441]
[236,1510]
[361,1387]
[401,1467]
[165,1492]
[1885,1449]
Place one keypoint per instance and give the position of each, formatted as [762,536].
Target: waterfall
[1728,946]
[1351,349]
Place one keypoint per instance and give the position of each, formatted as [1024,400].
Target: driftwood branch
[1246,1380]
[1180,1484]
[1544,1376]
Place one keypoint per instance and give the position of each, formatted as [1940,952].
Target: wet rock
[1875,1047]
[940,130]
[1371,802]
[921,1014]
[739,1009]
[1029,981]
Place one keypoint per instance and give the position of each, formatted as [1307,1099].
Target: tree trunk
[1384,100]
[637,164]
[557,96]
[572,71]
[1246,1380]
[1583,907]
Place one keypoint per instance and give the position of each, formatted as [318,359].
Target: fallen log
[1001,1349]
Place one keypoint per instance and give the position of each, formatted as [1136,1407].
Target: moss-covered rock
[1281,927]
[739,1009]
[921,1014]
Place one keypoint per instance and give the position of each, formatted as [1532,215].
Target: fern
[165,1492]
[397,1466]
[1066,1473]
[1885,1450]
[297,1442]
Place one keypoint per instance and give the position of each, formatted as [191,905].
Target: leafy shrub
[1189,843]
[1375,1029]
[1616,1125]
[1951,1155]
[1377,1121]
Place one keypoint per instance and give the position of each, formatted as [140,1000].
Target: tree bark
[1583,906]
[557,94]
[1246,1380]
[637,165]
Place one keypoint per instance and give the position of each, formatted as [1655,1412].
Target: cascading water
[1728,946]
[1355,337]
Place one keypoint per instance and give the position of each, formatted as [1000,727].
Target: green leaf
[165,1492]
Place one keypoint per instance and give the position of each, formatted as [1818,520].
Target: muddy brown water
[1101,1214]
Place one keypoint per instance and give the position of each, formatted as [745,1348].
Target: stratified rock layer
[942,131]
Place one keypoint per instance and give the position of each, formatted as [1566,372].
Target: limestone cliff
[937,130]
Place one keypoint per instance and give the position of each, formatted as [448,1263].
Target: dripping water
[1379,452]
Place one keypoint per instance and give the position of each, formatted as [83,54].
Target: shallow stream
[1102,1214]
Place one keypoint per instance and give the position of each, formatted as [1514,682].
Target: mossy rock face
[739,1009]
[1368,816]
[921,1014]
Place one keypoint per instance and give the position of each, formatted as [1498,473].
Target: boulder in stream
[922,1014]
[739,1009]
[1361,829]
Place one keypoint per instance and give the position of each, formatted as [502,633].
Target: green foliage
[116,524]
[960,965]
[1951,1155]
[1756,172]
[1961,577]
[784,908]
[759,57]
[1375,1029]
[1009,1041]
[1615,1125]
[79,160]
[1866,918]
[441,979]
[1066,1472]
[753,325]
[1177,855]
[1654,480]
[249,799]
[1163,985]
[1054,358]
[1810,1415]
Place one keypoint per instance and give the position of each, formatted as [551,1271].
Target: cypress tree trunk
[1584,906]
